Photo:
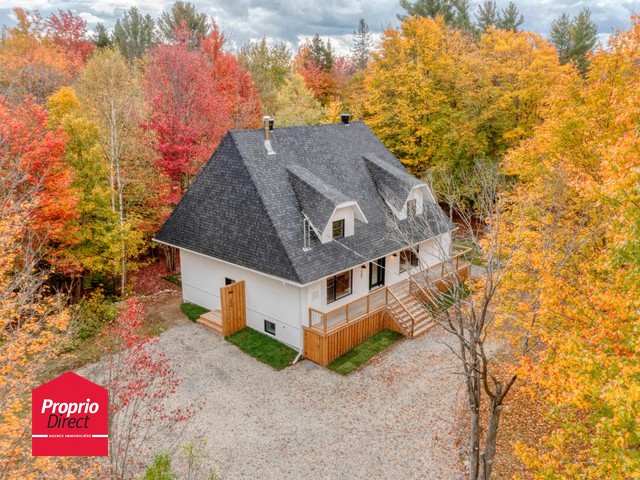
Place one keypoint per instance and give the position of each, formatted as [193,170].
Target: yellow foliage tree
[579,269]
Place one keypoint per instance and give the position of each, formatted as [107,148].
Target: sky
[295,20]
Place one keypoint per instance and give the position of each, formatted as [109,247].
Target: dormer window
[338,229]
[412,207]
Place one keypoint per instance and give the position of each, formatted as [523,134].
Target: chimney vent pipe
[345,117]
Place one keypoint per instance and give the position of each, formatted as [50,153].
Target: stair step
[211,321]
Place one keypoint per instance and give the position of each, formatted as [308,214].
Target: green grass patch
[174,278]
[368,349]
[474,256]
[192,311]
[263,348]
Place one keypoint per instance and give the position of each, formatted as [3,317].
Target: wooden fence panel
[234,308]
[325,349]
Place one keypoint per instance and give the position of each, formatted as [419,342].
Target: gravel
[393,418]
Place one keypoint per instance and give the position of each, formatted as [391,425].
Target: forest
[102,132]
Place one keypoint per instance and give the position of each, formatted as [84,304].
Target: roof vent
[267,124]
[345,117]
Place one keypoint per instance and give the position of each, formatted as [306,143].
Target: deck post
[324,322]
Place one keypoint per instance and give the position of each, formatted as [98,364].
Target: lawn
[263,348]
[351,360]
[192,311]
[474,256]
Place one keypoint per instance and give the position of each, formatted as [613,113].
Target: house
[308,234]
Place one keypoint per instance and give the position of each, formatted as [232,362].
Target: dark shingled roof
[393,181]
[317,199]
[246,207]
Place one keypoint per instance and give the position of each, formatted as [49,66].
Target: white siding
[284,304]
[344,213]
[267,298]
[431,252]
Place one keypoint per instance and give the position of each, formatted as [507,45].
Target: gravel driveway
[394,418]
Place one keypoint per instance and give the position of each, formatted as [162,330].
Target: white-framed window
[337,228]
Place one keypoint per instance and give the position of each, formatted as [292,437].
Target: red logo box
[70,417]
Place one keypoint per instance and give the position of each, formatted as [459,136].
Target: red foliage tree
[28,147]
[195,95]
[140,380]
[69,33]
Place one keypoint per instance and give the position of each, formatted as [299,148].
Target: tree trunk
[474,443]
[169,257]
[490,442]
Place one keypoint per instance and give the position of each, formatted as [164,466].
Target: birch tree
[111,90]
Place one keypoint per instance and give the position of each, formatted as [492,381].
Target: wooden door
[234,308]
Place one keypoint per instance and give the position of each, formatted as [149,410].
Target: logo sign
[70,417]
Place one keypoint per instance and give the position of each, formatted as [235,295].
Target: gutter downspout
[298,357]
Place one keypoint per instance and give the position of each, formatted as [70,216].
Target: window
[228,281]
[408,259]
[269,327]
[338,229]
[411,208]
[338,286]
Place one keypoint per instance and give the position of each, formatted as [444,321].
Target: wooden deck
[400,307]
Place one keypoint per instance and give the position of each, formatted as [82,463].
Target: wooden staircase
[408,311]
[211,320]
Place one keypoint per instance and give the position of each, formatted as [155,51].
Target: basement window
[270,327]
[338,229]
[408,259]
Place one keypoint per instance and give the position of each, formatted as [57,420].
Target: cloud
[90,18]
[293,20]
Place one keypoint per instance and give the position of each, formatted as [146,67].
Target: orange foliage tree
[579,269]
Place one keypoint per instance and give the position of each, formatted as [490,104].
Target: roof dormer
[404,194]
[330,213]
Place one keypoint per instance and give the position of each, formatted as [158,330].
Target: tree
[362,44]
[574,38]
[36,152]
[69,33]
[428,9]
[30,63]
[33,322]
[486,15]
[97,225]
[268,67]
[454,12]
[101,37]
[295,104]
[134,34]
[111,91]
[510,18]
[422,97]
[587,373]
[184,16]
[139,379]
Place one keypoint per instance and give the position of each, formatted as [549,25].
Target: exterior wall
[432,251]
[266,298]
[284,304]
[341,213]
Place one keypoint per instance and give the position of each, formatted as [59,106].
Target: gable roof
[247,207]
[393,182]
[317,199]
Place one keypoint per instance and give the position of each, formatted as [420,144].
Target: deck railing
[379,299]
